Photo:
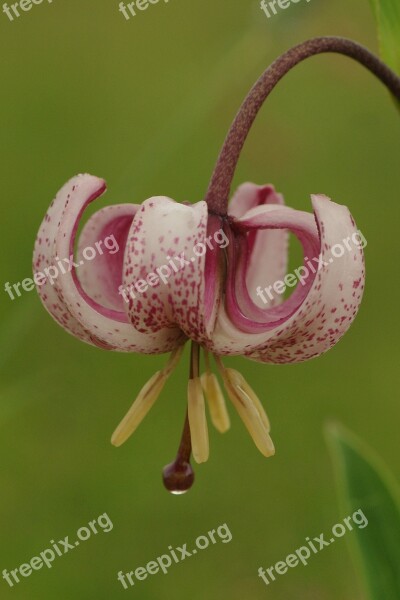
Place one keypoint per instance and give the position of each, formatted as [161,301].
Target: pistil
[178,476]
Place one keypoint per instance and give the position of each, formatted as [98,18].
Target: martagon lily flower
[212,299]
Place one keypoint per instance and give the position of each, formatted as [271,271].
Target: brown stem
[221,180]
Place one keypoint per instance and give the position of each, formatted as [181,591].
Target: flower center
[178,476]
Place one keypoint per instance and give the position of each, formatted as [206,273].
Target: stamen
[197,421]
[173,360]
[256,400]
[249,408]
[216,402]
[215,397]
[145,400]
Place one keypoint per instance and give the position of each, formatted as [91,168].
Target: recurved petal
[326,312]
[164,267]
[272,244]
[241,308]
[60,290]
[106,232]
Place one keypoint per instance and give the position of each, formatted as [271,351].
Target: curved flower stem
[221,180]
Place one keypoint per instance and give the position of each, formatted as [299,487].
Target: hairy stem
[221,180]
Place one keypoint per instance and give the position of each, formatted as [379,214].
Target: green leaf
[387,14]
[365,483]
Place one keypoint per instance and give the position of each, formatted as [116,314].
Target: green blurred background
[145,104]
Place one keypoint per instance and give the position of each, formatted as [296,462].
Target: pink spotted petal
[242,310]
[64,297]
[163,272]
[329,307]
[101,277]
[269,243]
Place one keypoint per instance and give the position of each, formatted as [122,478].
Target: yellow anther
[216,402]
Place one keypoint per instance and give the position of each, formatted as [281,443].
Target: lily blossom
[211,300]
